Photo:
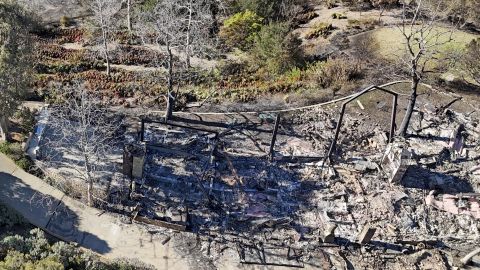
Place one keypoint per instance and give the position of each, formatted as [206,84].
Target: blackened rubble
[367,208]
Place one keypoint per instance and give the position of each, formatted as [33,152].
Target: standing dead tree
[82,137]
[129,9]
[423,39]
[103,19]
[15,59]
[180,28]
[199,21]
[384,5]
[129,16]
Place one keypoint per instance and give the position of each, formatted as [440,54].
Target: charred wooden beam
[274,137]
[160,223]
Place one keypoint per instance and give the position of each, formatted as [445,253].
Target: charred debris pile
[260,187]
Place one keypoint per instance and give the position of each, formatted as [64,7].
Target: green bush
[470,62]
[46,264]
[331,3]
[65,21]
[238,30]
[294,75]
[5,148]
[18,261]
[304,18]
[27,119]
[15,152]
[335,73]
[364,23]
[275,49]
[13,261]
[271,10]
[320,30]
[12,150]
[34,252]
[339,16]
[232,68]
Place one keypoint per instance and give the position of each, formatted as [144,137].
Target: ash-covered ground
[297,209]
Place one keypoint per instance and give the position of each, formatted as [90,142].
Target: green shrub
[14,242]
[65,21]
[470,62]
[320,30]
[304,18]
[275,49]
[34,252]
[5,148]
[385,3]
[27,119]
[66,253]
[363,23]
[238,68]
[15,152]
[271,10]
[238,30]
[331,3]
[339,16]
[294,75]
[18,261]
[13,261]
[46,264]
[335,73]
[12,150]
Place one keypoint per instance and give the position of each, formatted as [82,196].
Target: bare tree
[199,21]
[422,39]
[15,60]
[82,137]
[180,28]
[129,4]
[383,5]
[103,18]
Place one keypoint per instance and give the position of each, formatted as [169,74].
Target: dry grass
[392,43]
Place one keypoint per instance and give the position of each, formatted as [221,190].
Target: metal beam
[361,93]
[274,137]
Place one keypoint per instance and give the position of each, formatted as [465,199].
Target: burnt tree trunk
[89,180]
[170,94]
[410,106]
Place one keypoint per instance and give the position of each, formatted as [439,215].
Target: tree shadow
[47,212]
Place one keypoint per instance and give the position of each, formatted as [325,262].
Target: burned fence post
[393,119]
[142,130]
[337,131]
[274,137]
